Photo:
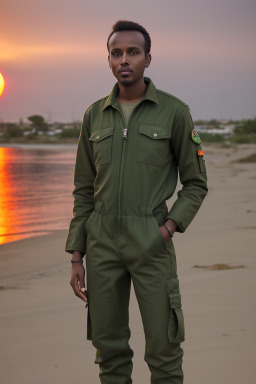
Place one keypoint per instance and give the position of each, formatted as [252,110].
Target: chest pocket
[154,144]
[102,145]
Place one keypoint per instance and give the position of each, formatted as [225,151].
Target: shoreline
[39,146]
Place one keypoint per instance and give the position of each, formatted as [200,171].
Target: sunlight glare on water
[35,191]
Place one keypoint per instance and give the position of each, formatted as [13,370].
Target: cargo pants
[121,249]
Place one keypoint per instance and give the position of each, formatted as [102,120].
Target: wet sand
[43,325]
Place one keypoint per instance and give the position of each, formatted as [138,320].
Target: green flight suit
[123,177]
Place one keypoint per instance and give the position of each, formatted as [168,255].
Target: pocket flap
[176,329]
[173,285]
[175,300]
[101,134]
[173,291]
[155,132]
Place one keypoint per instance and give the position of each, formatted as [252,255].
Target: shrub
[243,139]
[208,138]
[31,136]
[70,132]
[246,127]
[13,131]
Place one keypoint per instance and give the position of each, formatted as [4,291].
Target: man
[132,145]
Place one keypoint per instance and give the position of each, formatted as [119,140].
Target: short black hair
[126,25]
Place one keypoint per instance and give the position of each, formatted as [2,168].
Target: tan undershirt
[127,109]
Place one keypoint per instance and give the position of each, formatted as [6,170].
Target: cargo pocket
[176,329]
[102,145]
[154,144]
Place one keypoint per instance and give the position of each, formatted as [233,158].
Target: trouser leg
[108,284]
[163,357]
[153,271]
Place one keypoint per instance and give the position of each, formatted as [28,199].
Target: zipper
[124,141]
[125,131]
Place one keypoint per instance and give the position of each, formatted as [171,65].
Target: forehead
[125,39]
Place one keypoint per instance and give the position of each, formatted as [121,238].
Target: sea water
[36,185]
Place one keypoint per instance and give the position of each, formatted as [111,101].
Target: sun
[1,84]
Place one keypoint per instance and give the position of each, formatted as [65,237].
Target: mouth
[125,71]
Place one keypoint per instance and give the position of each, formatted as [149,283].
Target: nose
[124,60]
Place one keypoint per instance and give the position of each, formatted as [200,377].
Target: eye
[115,54]
[133,52]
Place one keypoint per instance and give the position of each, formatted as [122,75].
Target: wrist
[77,256]
[168,230]
[171,224]
[77,261]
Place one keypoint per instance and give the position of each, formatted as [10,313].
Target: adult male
[131,146]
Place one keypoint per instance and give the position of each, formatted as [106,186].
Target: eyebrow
[129,48]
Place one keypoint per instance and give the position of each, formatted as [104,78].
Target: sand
[43,325]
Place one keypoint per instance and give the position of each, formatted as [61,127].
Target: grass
[209,138]
[243,139]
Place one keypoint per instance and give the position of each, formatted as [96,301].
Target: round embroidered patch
[195,137]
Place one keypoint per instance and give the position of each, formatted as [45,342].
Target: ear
[147,60]
[109,61]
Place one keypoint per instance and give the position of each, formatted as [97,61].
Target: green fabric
[124,174]
[121,249]
[140,171]
[176,329]
[127,109]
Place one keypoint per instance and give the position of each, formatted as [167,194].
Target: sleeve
[192,172]
[83,192]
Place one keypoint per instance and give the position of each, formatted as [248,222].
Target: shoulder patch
[195,136]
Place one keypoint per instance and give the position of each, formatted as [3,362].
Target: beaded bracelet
[168,230]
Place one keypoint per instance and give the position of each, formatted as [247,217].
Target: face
[127,57]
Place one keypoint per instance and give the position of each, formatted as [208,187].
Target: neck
[133,92]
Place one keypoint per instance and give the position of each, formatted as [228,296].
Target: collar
[149,95]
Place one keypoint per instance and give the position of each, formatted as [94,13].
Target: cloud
[11,52]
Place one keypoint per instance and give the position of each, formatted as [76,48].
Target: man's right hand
[77,280]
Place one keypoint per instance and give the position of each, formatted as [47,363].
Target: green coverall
[123,177]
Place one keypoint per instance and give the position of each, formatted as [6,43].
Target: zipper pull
[125,133]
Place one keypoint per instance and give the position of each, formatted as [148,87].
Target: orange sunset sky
[54,60]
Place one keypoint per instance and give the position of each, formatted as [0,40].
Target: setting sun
[1,84]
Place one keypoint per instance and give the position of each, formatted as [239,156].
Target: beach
[43,325]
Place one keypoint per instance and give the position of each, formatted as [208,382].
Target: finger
[78,293]
[83,297]
[84,292]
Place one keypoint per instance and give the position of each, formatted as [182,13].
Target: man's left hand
[170,224]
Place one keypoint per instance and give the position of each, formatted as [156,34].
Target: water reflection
[35,191]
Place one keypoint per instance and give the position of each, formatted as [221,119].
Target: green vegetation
[38,122]
[208,138]
[13,131]
[39,131]
[243,139]
[31,136]
[70,133]
[246,127]
[245,132]
[214,122]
